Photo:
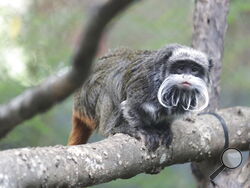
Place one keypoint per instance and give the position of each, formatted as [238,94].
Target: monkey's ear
[164,54]
[210,64]
[167,55]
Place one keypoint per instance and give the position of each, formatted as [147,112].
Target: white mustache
[198,91]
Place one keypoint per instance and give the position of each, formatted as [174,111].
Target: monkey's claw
[153,138]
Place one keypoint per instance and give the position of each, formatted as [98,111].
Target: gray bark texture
[57,88]
[210,24]
[195,138]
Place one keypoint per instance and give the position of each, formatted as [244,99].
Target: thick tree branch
[122,156]
[56,89]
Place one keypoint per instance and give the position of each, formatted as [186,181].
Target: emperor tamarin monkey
[140,93]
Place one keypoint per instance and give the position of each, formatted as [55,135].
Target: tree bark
[122,156]
[57,88]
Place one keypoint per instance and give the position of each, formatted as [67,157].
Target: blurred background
[38,37]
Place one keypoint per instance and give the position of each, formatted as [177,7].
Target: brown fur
[82,128]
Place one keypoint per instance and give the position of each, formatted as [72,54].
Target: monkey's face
[185,87]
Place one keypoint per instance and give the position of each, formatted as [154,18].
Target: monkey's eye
[180,69]
[195,70]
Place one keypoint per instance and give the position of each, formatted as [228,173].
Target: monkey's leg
[142,123]
[82,128]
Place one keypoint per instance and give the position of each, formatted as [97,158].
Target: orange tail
[82,128]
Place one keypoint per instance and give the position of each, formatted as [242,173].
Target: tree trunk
[210,24]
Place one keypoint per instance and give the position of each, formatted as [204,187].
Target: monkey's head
[185,79]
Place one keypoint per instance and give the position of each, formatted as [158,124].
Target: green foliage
[153,25]
[47,37]
[238,8]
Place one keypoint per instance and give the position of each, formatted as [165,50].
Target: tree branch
[121,156]
[57,88]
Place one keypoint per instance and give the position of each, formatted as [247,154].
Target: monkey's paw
[151,136]
[154,137]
